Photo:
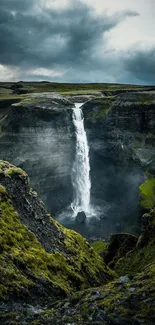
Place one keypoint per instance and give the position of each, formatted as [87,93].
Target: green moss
[23,261]
[12,318]
[26,253]
[21,252]
[143,254]
[2,190]
[83,256]
[104,106]
[29,100]
[99,246]
[145,100]
[122,302]
[6,96]
[80,92]
[35,322]
[147,194]
[10,170]
[136,260]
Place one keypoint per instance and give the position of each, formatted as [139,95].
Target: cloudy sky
[78,40]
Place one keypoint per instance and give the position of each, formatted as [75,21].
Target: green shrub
[147,194]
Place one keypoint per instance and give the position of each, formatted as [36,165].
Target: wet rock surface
[38,136]
[81,217]
[120,132]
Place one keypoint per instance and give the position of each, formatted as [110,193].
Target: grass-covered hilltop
[103,271]
[13,90]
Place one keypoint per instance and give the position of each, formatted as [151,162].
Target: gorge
[92,154]
[39,134]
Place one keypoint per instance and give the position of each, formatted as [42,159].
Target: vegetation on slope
[126,301]
[144,253]
[24,263]
[147,194]
[99,246]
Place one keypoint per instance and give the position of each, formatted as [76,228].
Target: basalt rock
[81,217]
[37,134]
[120,132]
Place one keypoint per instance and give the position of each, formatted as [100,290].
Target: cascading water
[81,167]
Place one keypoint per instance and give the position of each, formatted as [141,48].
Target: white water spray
[81,167]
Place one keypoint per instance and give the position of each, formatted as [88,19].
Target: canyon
[86,162]
[38,135]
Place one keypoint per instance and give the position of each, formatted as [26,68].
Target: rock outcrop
[40,260]
[143,253]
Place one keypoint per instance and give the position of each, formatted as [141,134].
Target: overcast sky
[78,40]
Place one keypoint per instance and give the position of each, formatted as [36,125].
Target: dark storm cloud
[33,36]
[141,65]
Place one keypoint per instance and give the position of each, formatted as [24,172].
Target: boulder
[81,217]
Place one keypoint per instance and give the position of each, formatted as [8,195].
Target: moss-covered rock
[118,246]
[117,303]
[64,263]
[13,318]
[144,253]
[102,106]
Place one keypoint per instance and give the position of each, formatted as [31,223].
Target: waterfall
[81,167]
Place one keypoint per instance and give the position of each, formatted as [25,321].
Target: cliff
[121,137]
[36,134]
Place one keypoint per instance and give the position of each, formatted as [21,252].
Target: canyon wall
[37,134]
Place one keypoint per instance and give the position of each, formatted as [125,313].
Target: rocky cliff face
[121,137]
[37,135]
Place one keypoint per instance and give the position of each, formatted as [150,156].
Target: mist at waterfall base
[117,210]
